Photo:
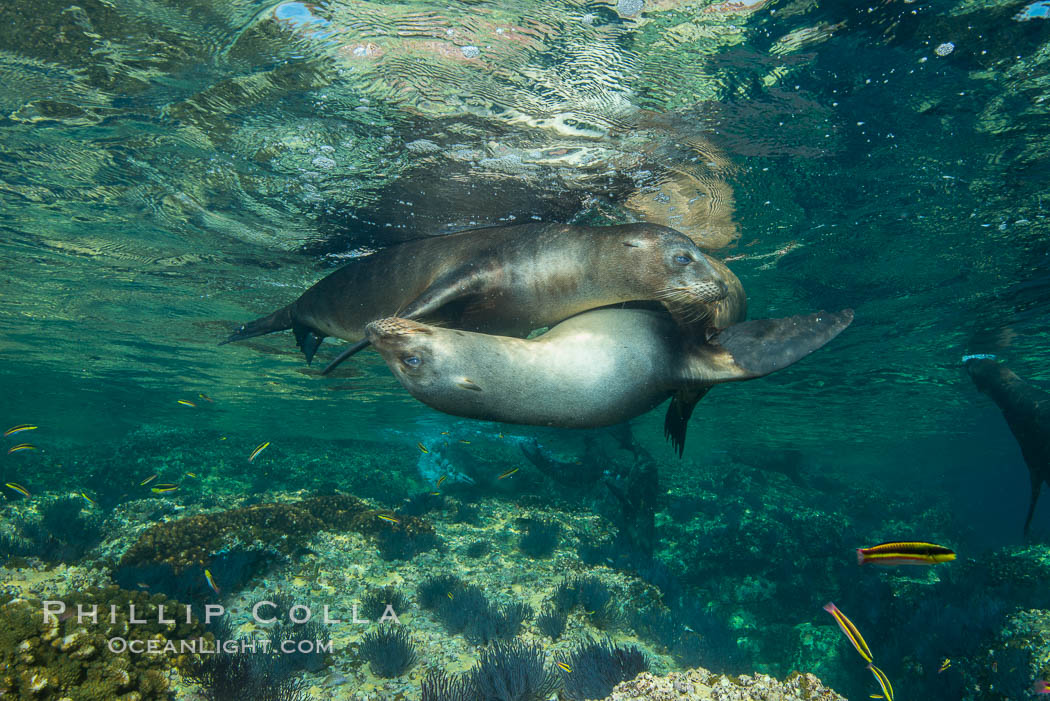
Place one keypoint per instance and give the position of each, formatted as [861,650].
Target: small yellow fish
[149,479]
[191,474]
[20,447]
[88,499]
[435,494]
[205,397]
[564,667]
[187,402]
[449,594]
[18,429]
[388,518]
[464,442]
[164,488]
[500,435]
[422,448]
[508,473]
[445,433]
[441,480]
[18,488]
[211,582]
[945,665]
[884,682]
[258,449]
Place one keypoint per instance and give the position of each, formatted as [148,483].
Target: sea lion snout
[709,290]
[393,327]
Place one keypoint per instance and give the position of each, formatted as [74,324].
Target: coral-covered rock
[700,685]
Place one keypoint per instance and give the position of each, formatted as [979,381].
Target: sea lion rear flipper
[757,348]
[308,340]
[676,421]
[280,320]
[1037,484]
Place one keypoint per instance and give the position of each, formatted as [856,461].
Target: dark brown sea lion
[595,369]
[509,281]
[1027,413]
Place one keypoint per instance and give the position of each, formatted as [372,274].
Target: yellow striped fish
[422,448]
[880,677]
[508,473]
[18,488]
[164,488]
[258,449]
[20,447]
[388,518]
[564,667]
[850,630]
[187,402]
[18,429]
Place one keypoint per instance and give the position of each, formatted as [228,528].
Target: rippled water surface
[169,170]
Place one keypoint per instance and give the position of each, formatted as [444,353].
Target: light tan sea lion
[596,369]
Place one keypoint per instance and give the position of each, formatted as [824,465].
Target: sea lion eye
[682,259]
[412,361]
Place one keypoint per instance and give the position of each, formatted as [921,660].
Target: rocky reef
[64,658]
[702,685]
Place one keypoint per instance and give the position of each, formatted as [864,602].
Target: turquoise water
[169,171]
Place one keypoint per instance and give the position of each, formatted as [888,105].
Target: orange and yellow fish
[445,433]
[422,448]
[258,449]
[211,581]
[904,553]
[20,447]
[18,488]
[850,630]
[186,402]
[508,473]
[18,429]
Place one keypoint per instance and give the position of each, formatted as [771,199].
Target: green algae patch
[195,540]
[62,658]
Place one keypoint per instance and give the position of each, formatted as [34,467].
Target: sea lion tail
[278,321]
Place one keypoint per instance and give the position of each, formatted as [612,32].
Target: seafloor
[741,565]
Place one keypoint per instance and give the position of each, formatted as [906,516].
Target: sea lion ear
[467,383]
[633,243]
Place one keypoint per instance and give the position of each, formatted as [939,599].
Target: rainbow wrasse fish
[211,581]
[508,473]
[904,553]
[88,499]
[20,447]
[18,488]
[206,398]
[258,449]
[163,488]
[850,631]
[19,429]
[388,518]
[422,448]
[187,402]
[149,479]
[564,667]
[880,677]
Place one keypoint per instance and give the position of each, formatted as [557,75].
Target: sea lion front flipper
[355,348]
[1037,485]
[757,348]
[456,285]
[676,421]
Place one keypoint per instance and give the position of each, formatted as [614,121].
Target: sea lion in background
[594,369]
[1027,413]
[507,280]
